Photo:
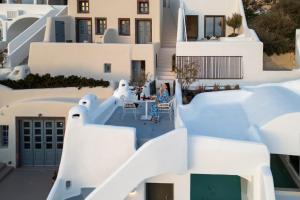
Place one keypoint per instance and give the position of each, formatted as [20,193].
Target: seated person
[162,98]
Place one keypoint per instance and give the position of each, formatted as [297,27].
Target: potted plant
[235,22]
[187,75]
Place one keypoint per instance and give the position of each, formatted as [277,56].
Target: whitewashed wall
[211,7]
[31,103]
[88,59]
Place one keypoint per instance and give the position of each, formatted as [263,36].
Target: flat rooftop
[145,130]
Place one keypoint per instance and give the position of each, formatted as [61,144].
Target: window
[214,26]
[107,68]
[143,6]
[4,136]
[83,6]
[124,26]
[101,25]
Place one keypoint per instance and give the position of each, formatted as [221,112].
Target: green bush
[277,31]
[35,81]
[276,28]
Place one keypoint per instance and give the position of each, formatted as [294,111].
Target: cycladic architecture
[232,145]
[152,38]
[217,147]
[21,23]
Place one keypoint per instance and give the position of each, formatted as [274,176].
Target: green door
[215,187]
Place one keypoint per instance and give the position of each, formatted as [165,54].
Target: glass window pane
[219,24]
[38,145]
[27,138]
[48,124]
[37,124]
[38,139]
[59,146]
[26,131]
[60,132]
[49,132]
[209,27]
[59,124]
[49,146]
[26,145]
[60,138]
[37,131]
[48,139]
[26,124]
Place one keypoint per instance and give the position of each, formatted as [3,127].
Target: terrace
[145,130]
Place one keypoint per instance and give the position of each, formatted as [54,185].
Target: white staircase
[165,154]
[169,32]
[168,48]
[164,62]
[18,48]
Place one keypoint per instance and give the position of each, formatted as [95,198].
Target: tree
[277,31]
[234,22]
[187,75]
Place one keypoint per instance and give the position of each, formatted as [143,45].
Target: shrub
[216,87]
[227,87]
[235,22]
[276,28]
[277,31]
[201,89]
[35,81]
[237,87]
[187,75]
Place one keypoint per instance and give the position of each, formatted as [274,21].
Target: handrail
[17,41]
[126,178]
[184,21]
[23,38]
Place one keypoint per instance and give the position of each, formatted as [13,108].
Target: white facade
[225,133]
[217,134]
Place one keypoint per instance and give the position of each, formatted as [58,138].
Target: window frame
[79,10]
[105,71]
[214,27]
[120,26]
[4,129]
[139,2]
[96,25]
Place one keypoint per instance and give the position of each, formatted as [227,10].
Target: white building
[219,148]
[20,25]
[168,34]
[220,144]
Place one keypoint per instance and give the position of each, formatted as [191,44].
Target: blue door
[60,31]
[41,141]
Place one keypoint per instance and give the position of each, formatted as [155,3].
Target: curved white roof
[231,114]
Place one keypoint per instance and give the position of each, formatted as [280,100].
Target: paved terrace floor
[145,130]
[27,183]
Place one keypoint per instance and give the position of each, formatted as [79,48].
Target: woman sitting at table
[162,98]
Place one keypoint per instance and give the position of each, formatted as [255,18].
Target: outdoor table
[146,101]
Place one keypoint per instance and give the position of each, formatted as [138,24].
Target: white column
[297,52]
[8,1]
[35,2]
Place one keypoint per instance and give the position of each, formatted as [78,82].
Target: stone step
[169,69]
[171,74]
[165,78]
[85,192]
[5,171]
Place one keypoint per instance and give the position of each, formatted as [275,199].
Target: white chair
[128,107]
[166,108]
